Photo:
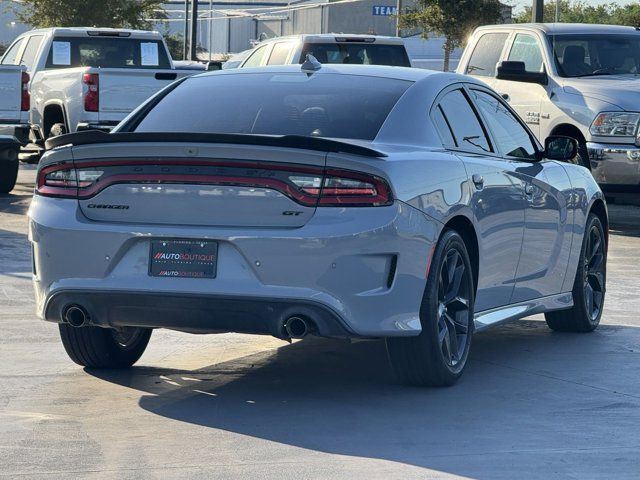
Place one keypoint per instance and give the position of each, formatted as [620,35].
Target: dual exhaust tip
[294,326]
[76,316]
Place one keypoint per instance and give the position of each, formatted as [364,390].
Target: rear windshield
[107,52]
[321,105]
[358,53]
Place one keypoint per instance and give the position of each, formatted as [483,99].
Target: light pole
[537,11]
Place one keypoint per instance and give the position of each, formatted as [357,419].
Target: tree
[580,12]
[83,13]
[175,44]
[452,19]
[3,48]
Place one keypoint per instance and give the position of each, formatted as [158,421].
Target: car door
[525,98]
[485,56]
[547,237]
[280,53]
[496,196]
[258,56]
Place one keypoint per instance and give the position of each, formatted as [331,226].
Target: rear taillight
[25,98]
[309,186]
[343,188]
[92,93]
[66,182]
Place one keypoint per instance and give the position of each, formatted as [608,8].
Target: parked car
[329,48]
[341,201]
[576,80]
[89,78]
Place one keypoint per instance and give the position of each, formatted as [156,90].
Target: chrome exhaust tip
[76,316]
[296,327]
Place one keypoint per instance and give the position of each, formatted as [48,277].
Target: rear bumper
[18,130]
[615,166]
[355,272]
[196,313]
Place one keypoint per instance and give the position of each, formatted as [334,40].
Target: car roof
[84,31]
[337,38]
[382,71]
[563,28]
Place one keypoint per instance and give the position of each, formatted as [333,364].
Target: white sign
[61,53]
[149,54]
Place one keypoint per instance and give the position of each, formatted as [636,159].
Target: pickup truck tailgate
[10,92]
[122,90]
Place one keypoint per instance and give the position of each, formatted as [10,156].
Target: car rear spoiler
[91,137]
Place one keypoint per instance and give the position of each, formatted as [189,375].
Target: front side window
[11,55]
[255,59]
[486,55]
[510,136]
[280,53]
[30,51]
[465,126]
[321,105]
[593,55]
[525,49]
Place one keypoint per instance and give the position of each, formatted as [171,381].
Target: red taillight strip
[168,178]
[330,196]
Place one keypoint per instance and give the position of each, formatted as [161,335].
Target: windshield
[107,52]
[320,105]
[592,55]
[357,53]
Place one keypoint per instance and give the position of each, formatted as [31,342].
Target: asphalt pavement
[532,403]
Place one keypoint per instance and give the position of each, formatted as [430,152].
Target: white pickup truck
[14,121]
[89,78]
[578,80]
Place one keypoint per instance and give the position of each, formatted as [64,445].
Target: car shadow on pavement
[624,220]
[526,391]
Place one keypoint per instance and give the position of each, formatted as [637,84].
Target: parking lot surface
[532,403]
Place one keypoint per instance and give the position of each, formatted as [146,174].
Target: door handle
[505,96]
[478,180]
[528,190]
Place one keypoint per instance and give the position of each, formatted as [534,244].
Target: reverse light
[25,97]
[615,124]
[92,93]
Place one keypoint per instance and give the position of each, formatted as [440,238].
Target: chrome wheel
[594,273]
[453,308]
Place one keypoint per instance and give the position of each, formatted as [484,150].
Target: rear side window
[486,55]
[30,51]
[280,53]
[322,105]
[465,125]
[11,55]
[357,53]
[526,49]
[107,52]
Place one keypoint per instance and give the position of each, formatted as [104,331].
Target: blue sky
[519,4]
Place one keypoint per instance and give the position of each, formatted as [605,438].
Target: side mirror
[515,71]
[560,148]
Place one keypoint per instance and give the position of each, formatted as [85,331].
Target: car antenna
[310,65]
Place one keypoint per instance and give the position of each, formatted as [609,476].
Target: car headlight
[615,124]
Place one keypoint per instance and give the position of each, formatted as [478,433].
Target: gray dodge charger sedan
[338,201]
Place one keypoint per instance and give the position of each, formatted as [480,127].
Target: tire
[8,169]
[429,359]
[97,347]
[589,287]
[57,129]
